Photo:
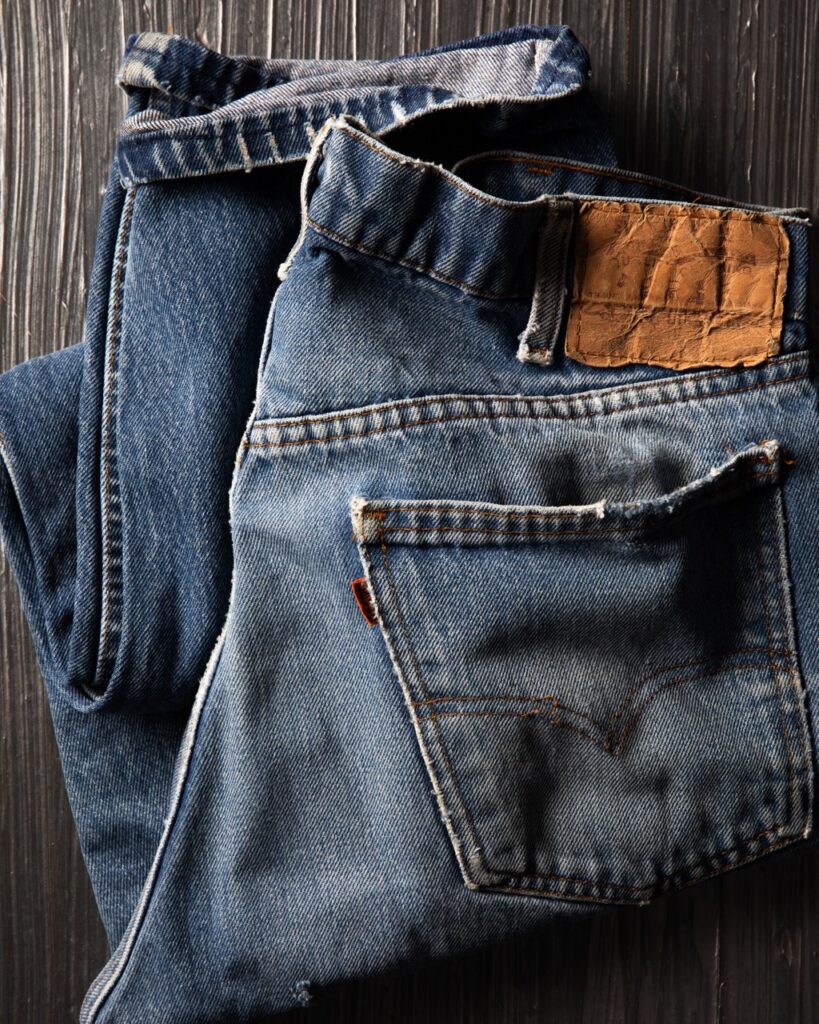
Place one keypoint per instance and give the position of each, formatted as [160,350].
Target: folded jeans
[555,423]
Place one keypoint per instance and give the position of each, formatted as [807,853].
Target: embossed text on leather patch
[675,286]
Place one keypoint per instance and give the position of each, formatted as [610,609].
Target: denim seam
[529,399]
[590,170]
[111,975]
[446,177]
[425,692]
[613,741]
[774,672]
[467,511]
[610,886]
[622,707]
[112,545]
[682,884]
[412,264]
[793,676]
[789,214]
[513,415]
[729,490]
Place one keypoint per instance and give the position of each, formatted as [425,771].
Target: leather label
[675,286]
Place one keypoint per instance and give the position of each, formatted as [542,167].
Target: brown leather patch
[675,286]
[363,598]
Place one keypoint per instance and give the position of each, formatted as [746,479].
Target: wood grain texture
[720,95]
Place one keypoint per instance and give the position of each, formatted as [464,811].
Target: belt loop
[550,295]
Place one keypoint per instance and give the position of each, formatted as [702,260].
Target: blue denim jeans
[118,452]
[517,552]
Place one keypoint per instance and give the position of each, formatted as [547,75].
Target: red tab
[363,598]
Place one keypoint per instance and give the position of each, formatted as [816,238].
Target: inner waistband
[361,194]
[260,112]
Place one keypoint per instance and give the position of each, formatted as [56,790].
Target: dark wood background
[720,95]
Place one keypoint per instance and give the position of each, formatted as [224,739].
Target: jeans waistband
[246,112]
[361,194]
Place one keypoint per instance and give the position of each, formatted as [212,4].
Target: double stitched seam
[653,514]
[517,399]
[774,670]
[675,882]
[791,659]
[473,193]
[477,847]
[609,731]
[412,264]
[595,172]
[108,416]
[528,414]
[425,693]
[613,742]
[528,514]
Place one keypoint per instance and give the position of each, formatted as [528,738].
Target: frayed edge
[313,160]
[357,506]
[302,990]
[538,356]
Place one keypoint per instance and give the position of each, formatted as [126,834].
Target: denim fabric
[574,666]
[118,452]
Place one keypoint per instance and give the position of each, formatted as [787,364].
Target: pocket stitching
[609,730]
[674,878]
[790,657]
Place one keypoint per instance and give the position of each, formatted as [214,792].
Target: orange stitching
[775,675]
[592,530]
[554,719]
[467,815]
[675,880]
[528,415]
[472,192]
[548,699]
[633,718]
[597,886]
[422,685]
[601,172]
[612,744]
[422,268]
[512,533]
[640,385]
[673,668]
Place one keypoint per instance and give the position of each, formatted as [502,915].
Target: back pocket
[607,696]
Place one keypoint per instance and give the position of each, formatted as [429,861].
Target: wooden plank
[721,95]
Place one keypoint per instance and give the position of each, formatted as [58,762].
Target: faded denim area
[117,453]
[591,674]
